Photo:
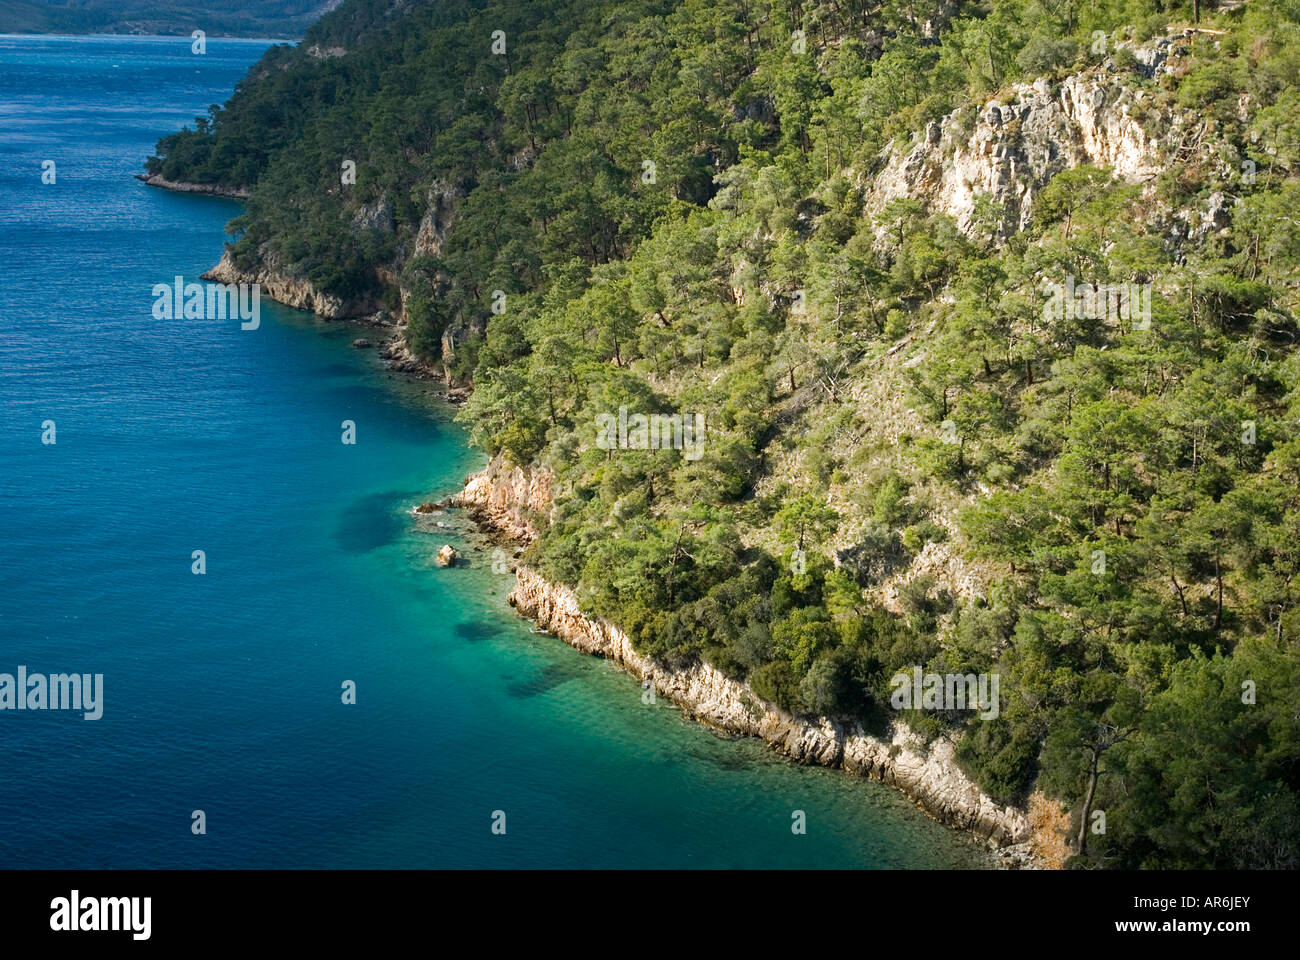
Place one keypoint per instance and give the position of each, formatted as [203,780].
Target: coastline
[208,189]
[299,294]
[927,774]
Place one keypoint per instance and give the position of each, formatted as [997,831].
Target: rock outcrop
[439,213]
[210,189]
[276,282]
[448,555]
[316,51]
[1017,145]
[399,357]
[282,286]
[507,498]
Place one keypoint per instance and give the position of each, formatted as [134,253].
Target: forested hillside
[841,232]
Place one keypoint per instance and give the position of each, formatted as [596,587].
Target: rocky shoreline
[285,288]
[209,189]
[299,293]
[501,500]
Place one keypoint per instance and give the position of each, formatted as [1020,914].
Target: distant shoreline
[208,189]
[238,38]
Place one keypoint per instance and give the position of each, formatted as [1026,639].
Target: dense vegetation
[671,197]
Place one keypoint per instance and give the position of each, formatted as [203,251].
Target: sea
[322,694]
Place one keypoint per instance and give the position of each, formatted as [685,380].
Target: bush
[822,690]
[1001,757]
[1043,54]
[776,682]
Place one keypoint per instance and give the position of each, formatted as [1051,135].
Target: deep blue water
[222,691]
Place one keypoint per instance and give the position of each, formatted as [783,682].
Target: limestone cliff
[283,287]
[441,202]
[1012,147]
[508,499]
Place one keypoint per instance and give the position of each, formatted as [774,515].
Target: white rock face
[437,219]
[929,776]
[282,287]
[502,495]
[1017,147]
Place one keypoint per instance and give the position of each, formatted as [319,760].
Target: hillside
[989,311]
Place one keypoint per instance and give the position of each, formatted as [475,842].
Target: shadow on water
[548,678]
[336,370]
[358,396]
[426,426]
[371,522]
[476,630]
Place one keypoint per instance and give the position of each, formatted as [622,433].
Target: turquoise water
[222,691]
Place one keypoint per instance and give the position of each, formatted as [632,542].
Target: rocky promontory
[210,189]
[292,291]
